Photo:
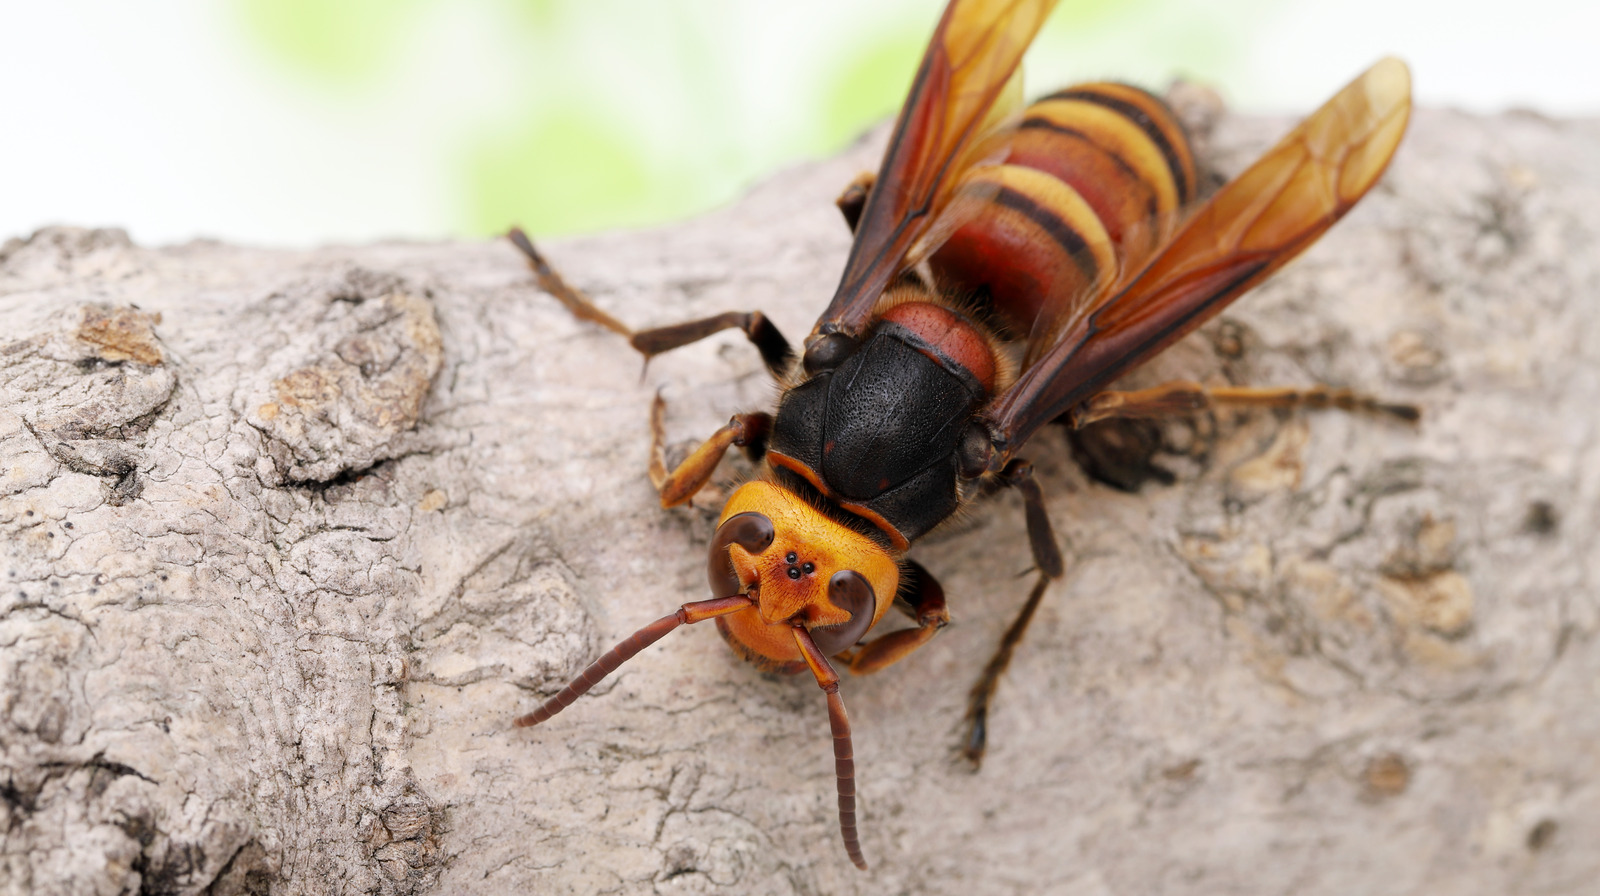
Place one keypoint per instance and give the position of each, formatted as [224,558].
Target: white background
[167,119]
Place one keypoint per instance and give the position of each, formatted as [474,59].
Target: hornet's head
[800,568]
[792,588]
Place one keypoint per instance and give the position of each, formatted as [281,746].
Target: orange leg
[927,608]
[1187,397]
[748,431]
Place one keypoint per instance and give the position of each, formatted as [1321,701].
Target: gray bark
[290,538]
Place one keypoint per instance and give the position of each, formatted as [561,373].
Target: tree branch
[289,538]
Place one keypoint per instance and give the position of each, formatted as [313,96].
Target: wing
[969,64]
[1241,235]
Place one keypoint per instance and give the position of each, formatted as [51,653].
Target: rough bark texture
[291,537]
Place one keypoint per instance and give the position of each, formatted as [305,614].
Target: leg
[774,348]
[854,198]
[748,431]
[775,351]
[1047,558]
[927,608]
[1186,397]
[1120,452]
[853,201]
[983,692]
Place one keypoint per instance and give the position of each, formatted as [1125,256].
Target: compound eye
[847,590]
[749,530]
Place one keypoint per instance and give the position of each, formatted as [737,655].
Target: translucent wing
[968,69]
[1242,234]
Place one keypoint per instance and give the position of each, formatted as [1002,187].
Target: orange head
[792,587]
[800,568]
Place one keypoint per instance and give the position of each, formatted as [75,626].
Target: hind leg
[1115,436]
[1187,397]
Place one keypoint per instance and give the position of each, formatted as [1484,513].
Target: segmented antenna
[844,758]
[689,613]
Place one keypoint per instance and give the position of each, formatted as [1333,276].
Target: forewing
[1244,232]
[967,70]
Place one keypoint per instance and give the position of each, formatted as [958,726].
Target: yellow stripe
[1062,213]
[1161,116]
[1115,134]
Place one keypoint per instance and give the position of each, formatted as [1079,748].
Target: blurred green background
[628,112]
[297,122]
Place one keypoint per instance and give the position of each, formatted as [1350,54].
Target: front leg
[748,431]
[774,348]
[926,598]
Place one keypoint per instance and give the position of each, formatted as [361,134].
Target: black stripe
[1141,118]
[1063,233]
[1040,123]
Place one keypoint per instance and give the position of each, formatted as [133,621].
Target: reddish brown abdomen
[1095,180]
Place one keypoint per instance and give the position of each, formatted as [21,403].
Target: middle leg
[1047,559]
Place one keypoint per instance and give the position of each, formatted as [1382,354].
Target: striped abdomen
[1094,180]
